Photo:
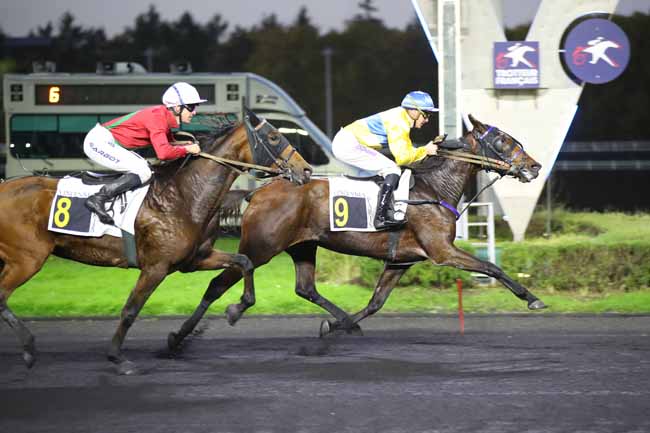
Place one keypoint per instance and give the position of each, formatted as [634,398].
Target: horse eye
[274,138]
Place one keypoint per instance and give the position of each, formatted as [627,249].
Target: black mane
[208,141]
[443,178]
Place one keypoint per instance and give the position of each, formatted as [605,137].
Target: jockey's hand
[432,148]
[193,149]
[439,139]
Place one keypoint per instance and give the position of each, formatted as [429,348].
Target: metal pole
[461,313]
[148,53]
[548,205]
[327,53]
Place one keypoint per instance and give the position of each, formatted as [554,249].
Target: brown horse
[295,219]
[175,228]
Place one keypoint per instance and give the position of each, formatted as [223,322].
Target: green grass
[580,226]
[68,289]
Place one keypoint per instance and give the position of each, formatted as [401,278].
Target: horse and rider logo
[596,51]
[516,64]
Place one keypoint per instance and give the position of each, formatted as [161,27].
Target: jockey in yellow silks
[359,143]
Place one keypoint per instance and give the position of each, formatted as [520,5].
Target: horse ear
[477,124]
[252,117]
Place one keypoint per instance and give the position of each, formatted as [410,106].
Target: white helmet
[181,94]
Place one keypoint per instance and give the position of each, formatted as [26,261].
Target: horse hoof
[355,330]
[29,359]
[127,368]
[536,305]
[172,341]
[232,314]
[325,328]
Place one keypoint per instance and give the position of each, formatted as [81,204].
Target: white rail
[463,226]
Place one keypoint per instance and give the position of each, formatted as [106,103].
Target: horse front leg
[387,281]
[463,260]
[147,282]
[237,266]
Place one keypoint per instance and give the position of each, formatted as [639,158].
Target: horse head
[491,142]
[272,149]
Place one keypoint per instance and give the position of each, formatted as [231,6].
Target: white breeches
[100,146]
[346,148]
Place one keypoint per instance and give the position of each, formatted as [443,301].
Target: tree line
[373,65]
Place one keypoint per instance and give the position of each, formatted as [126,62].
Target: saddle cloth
[69,215]
[353,203]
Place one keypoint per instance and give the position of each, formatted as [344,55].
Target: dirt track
[407,374]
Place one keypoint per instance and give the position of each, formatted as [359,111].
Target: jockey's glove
[439,139]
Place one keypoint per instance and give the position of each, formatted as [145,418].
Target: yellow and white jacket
[388,129]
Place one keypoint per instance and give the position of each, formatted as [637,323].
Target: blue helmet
[419,100]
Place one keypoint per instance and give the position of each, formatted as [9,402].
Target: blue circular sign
[596,51]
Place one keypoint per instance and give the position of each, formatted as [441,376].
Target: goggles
[425,115]
[191,107]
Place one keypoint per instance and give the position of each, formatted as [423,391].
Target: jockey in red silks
[110,144]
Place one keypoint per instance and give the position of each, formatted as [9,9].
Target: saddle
[95,178]
[378,179]
[98,178]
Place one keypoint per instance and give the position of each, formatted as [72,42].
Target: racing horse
[282,217]
[175,228]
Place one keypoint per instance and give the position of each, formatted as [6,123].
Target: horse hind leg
[12,275]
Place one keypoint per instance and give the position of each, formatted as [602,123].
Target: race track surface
[520,373]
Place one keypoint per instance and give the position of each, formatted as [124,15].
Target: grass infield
[67,289]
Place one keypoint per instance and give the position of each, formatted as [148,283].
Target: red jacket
[148,127]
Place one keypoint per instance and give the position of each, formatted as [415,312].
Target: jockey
[111,144]
[359,143]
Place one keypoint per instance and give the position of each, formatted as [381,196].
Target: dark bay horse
[295,219]
[175,228]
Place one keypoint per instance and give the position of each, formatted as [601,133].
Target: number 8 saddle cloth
[69,215]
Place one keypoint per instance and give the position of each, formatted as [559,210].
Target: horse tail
[230,211]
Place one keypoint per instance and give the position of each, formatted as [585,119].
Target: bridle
[489,157]
[496,161]
[488,140]
[266,151]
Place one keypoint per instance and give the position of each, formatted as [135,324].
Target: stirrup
[386,223]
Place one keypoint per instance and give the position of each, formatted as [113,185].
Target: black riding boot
[384,218]
[97,202]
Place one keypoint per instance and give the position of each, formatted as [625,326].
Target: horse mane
[439,174]
[209,140]
[427,165]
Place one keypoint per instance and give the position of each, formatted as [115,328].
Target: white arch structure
[461,34]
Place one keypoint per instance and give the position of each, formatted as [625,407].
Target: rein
[481,160]
[232,164]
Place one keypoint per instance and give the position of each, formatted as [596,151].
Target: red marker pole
[461,315]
